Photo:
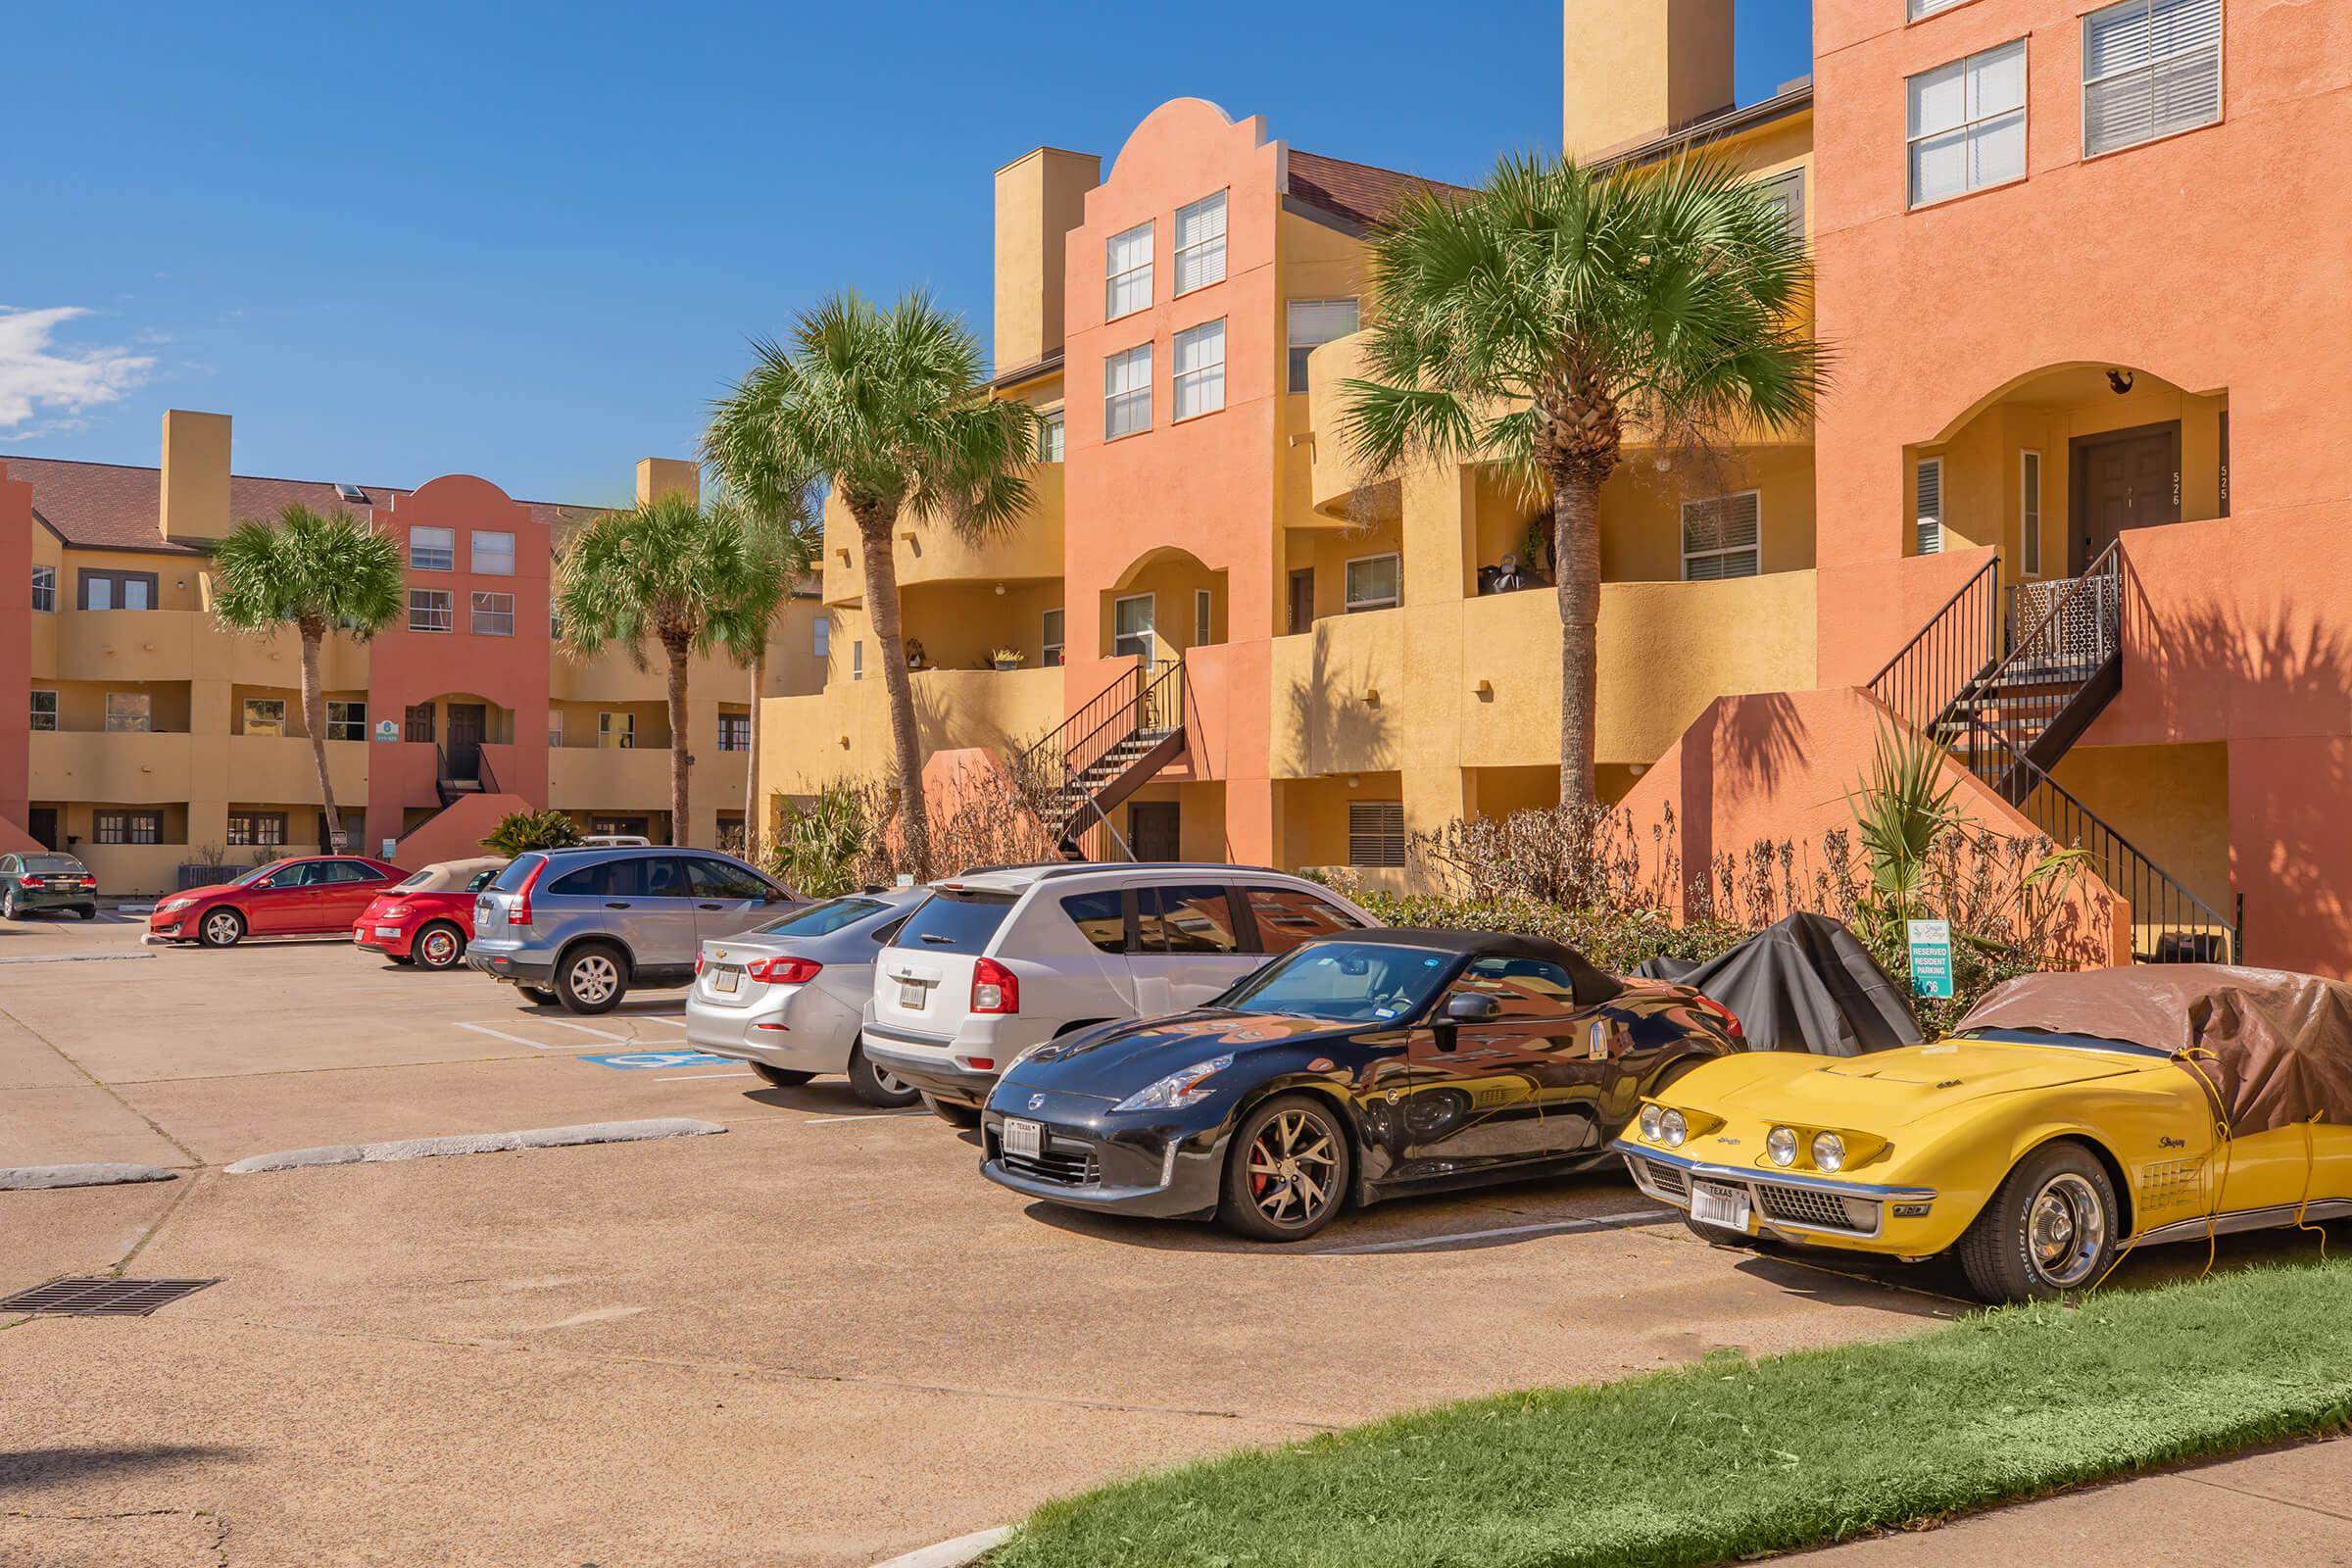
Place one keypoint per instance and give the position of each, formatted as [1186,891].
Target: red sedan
[309,897]
[428,920]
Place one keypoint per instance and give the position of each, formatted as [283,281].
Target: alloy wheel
[1293,1168]
[593,977]
[223,928]
[2066,1230]
[438,947]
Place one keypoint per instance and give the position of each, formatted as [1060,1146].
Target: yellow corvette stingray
[2069,1116]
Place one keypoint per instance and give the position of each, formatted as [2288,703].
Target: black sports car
[1364,1065]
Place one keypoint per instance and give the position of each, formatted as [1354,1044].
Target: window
[1127,392]
[1051,638]
[1929,510]
[823,635]
[616,732]
[2150,69]
[1200,369]
[115,590]
[44,710]
[1313,324]
[428,609]
[44,587]
[622,877]
[129,827]
[1191,918]
[264,716]
[2029,512]
[419,725]
[734,732]
[128,713]
[1917,9]
[1204,607]
[1373,582]
[1288,917]
[1525,989]
[432,549]
[325,873]
[493,615]
[554,726]
[1049,436]
[857,661]
[1200,244]
[1720,537]
[1968,124]
[1787,193]
[346,721]
[1133,622]
[1127,272]
[493,554]
[723,879]
[955,922]
[1101,918]
[1375,833]
[247,829]
[625,825]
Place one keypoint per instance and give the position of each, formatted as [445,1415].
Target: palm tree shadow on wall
[1335,718]
[1742,749]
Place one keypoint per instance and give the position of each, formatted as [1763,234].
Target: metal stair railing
[1141,707]
[2078,630]
[1948,655]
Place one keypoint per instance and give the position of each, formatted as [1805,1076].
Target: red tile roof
[1358,192]
[113,506]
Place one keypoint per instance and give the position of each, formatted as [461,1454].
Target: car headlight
[1829,1150]
[1651,1116]
[1177,1089]
[1672,1129]
[1780,1145]
[170,905]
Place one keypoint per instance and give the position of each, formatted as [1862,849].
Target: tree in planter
[316,572]
[1531,324]
[889,407]
[665,570]
[782,549]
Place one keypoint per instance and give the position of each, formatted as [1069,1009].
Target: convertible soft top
[2274,1046]
[1591,981]
[1804,984]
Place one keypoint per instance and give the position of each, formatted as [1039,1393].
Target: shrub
[519,831]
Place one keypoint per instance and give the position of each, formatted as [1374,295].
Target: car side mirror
[266,882]
[1463,1007]
[775,896]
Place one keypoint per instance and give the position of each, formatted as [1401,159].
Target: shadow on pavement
[35,1468]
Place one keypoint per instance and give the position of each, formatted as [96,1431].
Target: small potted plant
[1007,658]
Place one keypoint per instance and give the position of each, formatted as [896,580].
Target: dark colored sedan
[46,880]
[1355,1068]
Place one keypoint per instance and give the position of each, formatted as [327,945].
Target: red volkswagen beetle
[309,897]
[428,920]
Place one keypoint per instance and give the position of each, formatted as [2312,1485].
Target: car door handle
[708,906]
[617,905]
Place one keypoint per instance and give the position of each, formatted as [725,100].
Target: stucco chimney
[667,476]
[1041,196]
[1633,70]
[195,486]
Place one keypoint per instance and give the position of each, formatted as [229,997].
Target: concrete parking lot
[818,1339]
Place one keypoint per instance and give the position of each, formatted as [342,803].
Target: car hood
[210,890]
[1890,1088]
[1116,1059]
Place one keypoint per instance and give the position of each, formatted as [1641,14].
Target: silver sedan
[786,997]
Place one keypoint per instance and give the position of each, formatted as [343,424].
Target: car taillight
[994,988]
[783,972]
[519,911]
[697,963]
[36,881]
[1731,1020]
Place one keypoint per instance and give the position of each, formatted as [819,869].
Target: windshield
[822,919]
[1345,982]
[256,873]
[51,862]
[417,881]
[959,922]
[2042,1037]
[517,870]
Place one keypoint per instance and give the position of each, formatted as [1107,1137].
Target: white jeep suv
[1001,959]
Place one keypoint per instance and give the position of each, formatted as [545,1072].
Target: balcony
[1031,551]
[172,645]
[843,732]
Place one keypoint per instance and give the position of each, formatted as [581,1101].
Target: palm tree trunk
[313,719]
[1576,564]
[882,607]
[751,767]
[677,651]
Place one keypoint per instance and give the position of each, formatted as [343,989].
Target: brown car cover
[2275,1047]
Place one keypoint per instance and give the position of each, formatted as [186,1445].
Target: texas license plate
[1025,1138]
[727,980]
[911,994]
[1713,1204]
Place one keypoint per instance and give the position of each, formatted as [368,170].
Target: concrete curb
[953,1553]
[45,1178]
[601,1132]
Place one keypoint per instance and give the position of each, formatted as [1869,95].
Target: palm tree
[782,550]
[666,569]
[1531,324]
[316,572]
[889,408]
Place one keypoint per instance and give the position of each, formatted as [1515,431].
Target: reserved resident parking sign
[1931,957]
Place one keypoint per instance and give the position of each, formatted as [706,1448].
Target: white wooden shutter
[1721,536]
[1930,508]
[2151,67]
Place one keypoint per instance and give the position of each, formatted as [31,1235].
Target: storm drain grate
[91,1296]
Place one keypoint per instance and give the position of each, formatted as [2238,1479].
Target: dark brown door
[2123,479]
[41,822]
[467,722]
[1302,600]
[1155,830]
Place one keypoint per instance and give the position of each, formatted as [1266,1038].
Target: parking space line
[501,1034]
[871,1115]
[684,1076]
[1595,1222]
[584,1029]
[663,1018]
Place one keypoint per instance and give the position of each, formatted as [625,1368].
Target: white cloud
[35,374]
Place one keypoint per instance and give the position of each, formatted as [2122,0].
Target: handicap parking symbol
[631,1060]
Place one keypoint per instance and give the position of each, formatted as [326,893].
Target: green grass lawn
[1733,1456]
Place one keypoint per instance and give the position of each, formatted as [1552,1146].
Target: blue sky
[530,241]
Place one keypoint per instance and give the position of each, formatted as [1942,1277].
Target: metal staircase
[2009,695]
[1110,748]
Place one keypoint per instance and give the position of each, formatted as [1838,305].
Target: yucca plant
[819,845]
[1903,810]
[519,831]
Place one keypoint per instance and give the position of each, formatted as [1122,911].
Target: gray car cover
[1805,984]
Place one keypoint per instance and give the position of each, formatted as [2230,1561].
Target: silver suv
[582,926]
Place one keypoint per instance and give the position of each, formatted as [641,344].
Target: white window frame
[1969,123]
[857,660]
[2029,512]
[1719,552]
[1921,10]
[2154,69]
[555,727]
[613,737]
[490,569]
[358,725]
[437,619]
[1788,187]
[140,722]
[1126,381]
[1050,628]
[1374,844]
[485,604]
[445,552]
[824,636]
[1053,434]
[1138,275]
[1208,250]
[1149,634]
[1349,603]
[1921,520]
[245,720]
[44,589]
[1295,367]
[1205,617]
[36,711]
[1205,380]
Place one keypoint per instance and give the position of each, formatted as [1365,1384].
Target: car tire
[439,945]
[782,1077]
[1306,1142]
[877,1088]
[221,928]
[954,1114]
[401,958]
[540,995]
[10,909]
[2052,1227]
[592,978]
[88,912]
